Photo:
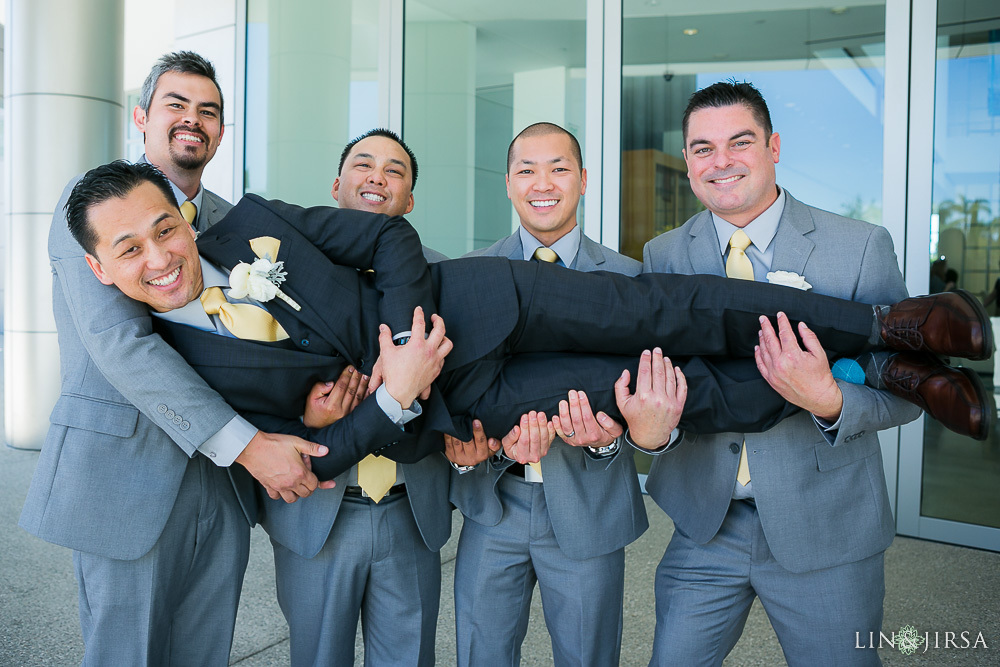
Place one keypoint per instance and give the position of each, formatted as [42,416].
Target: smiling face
[183,127]
[545,182]
[376,177]
[146,249]
[730,162]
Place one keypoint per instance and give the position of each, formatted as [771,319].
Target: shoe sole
[987,404]
[984,319]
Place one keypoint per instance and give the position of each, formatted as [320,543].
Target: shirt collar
[566,247]
[178,193]
[192,314]
[761,229]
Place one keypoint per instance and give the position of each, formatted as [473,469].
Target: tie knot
[544,254]
[189,212]
[739,240]
[212,300]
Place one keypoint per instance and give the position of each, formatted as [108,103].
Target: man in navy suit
[500,313]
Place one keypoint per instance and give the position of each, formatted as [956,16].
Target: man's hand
[473,452]
[802,377]
[578,427]
[278,462]
[408,370]
[329,401]
[530,441]
[654,411]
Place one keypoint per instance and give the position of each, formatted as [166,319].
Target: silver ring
[571,434]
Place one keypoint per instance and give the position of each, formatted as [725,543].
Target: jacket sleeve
[117,334]
[867,409]
[389,246]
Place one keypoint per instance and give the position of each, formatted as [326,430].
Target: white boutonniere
[789,279]
[259,281]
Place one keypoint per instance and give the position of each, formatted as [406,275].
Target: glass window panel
[312,85]
[960,475]
[821,71]
[476,74]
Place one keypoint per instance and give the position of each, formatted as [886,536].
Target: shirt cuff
[393,410]
[829,430]
[676,436]
[229,442]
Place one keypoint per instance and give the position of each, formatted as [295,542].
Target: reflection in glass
[960,475]
[821,71]
[312,85]
[476,74]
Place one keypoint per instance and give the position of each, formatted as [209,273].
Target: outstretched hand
[655,409]
[280,463]
[328,402]
[801,376]
[474,451]
[529,442]
[408,370]
[577,425]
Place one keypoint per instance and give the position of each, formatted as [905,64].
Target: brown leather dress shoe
[950,324]
[955,397]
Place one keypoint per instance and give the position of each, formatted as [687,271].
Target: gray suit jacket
[820,504]
[305,525]
[595,506]
[121,433]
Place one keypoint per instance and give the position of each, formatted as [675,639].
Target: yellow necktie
[739,266]
[189,211]
[243,320]
[376,475]
[544,254]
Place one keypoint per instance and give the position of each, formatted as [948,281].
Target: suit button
[185,425]
[161,408]
[169,414]
[304,342]
[734,448]
[178,419]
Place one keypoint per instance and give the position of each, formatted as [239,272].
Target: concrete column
[64,113]
[439,124]
[309,80]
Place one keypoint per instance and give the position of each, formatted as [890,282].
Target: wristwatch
[606,451]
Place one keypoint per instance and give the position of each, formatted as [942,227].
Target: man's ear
[335,190]
[139,118]
[507,181]
[409,206]
[95,266]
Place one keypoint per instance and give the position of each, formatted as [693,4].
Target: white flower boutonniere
[789,279]
[259,281]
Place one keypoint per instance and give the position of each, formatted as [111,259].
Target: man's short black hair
[541,129]
[388,134]
[726,94]
[114,180]
[182,62]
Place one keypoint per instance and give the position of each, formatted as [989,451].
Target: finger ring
[571,434]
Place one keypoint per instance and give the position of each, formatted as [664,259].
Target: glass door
[948,485]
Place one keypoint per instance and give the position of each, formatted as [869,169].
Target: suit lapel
[589,257]
[511,247]
[792,246]
[704,250]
